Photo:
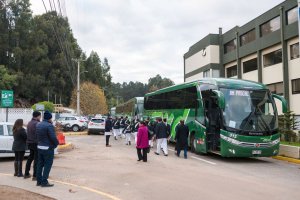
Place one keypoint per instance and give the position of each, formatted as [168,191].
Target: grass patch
[296,144]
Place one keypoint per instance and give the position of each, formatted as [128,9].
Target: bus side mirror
[283,102]
[221,98]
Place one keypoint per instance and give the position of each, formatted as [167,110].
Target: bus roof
[220,82]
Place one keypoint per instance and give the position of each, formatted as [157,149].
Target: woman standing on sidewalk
[142,143]
[19,146]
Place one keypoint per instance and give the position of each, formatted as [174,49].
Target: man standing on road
[108,130]
[161,137]
[182,135]
[32,145]
[47,142]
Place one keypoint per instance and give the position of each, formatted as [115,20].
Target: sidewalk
[61,190]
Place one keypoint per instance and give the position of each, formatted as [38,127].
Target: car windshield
[249,110]
[10,129]
[97,120]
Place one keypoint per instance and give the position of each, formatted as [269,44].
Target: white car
[96,125]
[7,139]
[75,123]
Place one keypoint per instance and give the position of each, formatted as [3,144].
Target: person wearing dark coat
[108,130]
[32,144]
[182,135]
[47,142]
[161,137]
[19,146]
[116,128]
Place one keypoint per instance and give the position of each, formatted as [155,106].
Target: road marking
[194,157]
[212,163]
[79,186]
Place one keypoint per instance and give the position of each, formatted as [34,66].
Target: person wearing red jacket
[142,143]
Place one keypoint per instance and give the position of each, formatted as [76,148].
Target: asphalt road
[116,171]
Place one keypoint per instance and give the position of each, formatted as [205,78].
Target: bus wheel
[193,143]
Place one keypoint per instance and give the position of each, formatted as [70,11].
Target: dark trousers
[33,157]
[45,161]
[185,151]
[142,156]
[107,139]
[19,156]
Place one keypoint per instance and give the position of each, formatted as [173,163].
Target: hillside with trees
[37,60]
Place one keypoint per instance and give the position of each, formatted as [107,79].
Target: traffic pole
[6,114]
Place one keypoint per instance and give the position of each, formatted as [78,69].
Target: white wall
[199,60]
[195,77]
[294,73]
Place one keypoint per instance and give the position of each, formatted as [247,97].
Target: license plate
[256,152]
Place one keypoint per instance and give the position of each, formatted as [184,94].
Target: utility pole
[78,84]
[78,87]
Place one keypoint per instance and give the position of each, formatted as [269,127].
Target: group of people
[41,140]
[145,133]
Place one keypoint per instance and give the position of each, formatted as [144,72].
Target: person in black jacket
[161,137]
[47,142]
[182,134]
[108,130]
[32,145]
[19,146]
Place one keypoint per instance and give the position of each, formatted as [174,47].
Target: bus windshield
[249,110]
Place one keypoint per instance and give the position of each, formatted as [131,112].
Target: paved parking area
[114,173]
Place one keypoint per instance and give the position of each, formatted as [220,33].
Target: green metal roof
[220,82]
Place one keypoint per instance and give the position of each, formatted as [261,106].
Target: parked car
[7,139]
[76,123]
[96,125]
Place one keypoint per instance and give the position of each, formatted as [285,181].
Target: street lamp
[78,84]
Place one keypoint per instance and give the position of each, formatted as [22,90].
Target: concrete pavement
[116,172]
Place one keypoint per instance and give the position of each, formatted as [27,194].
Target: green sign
[7,98]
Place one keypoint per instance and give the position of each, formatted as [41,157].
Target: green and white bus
[230,117]
[133,108]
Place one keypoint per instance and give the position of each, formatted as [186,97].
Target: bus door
[213,120]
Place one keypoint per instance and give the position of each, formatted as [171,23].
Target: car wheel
[75,128]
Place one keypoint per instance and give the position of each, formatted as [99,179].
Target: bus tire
[192,141]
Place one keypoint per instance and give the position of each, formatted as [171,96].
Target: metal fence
[16,113]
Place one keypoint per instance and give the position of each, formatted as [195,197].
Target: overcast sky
[142,38]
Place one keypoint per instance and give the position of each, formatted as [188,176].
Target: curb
[64,147]
[292,160]
[75,133]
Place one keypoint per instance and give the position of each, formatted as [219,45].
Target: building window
[292,15]
[270,26]
[276,88]
[206,73]
[216,73]
[231,71]
[273,58]
[230,46]
[296,86]
[250,65]
[294,51]
[248,37]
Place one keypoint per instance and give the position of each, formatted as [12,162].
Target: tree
[158,82]
[92,99]
[7,81]
[287,124]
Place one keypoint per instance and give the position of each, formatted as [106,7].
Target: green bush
[48,106]
[287,124]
